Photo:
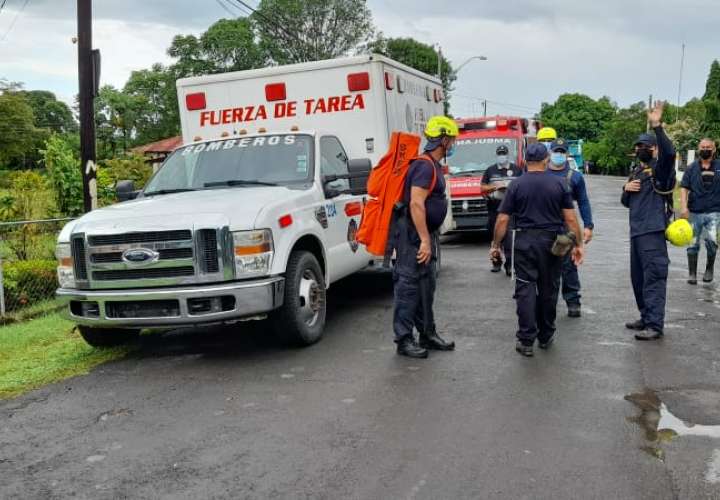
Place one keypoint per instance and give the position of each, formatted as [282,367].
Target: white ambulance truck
[255,215]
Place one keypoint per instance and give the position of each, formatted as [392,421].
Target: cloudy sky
[626,49]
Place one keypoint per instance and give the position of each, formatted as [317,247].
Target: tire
[107,337]
[301,319]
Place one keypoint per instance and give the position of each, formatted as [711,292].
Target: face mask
[502,159]
[645,155]
[547,145]
[449,152]
[706,154]
[558,159]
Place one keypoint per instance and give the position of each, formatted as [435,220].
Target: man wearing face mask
[700,202]
[416,243]
[495,181]
[648,195]
[575,183]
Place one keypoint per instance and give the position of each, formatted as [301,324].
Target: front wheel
[107,337]
[301,319]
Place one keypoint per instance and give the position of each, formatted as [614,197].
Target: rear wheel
[107,337]
[301,319]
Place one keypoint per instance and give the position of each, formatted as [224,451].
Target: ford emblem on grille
[140,256]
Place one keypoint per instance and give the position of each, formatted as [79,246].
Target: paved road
[228,414]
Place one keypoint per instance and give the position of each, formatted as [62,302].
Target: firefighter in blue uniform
[542,208]
[575,182]
[416,241]
[648,195]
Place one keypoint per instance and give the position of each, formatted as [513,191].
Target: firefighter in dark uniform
[415,236]
[542,208]
[648,195]
[495,181]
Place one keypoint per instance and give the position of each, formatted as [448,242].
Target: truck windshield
[476,155]
[248,161]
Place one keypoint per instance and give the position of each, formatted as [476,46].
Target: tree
[116,116]
[613,149]
[294,31]
[154,92]
[50,113]
[577,116]
[712,87]
[17,128]
[417,55]
[64,174]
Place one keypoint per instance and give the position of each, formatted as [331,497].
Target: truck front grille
[79,258]
[208,251]
[144,237]
[475,206]
[140,274]
[168,254]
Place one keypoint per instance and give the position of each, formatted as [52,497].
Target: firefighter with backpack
[415,241]
[575,183]
[648,195]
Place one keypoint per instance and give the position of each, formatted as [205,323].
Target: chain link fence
[28,278]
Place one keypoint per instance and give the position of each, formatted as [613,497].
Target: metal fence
[28,278]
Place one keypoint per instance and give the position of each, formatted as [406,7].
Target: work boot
[406,346]
[692,267]
[435,342]
[638,325]
[508,271]
[525,350]
[574,310]
[548,343]
[649,334]
[709,269]
[497,267]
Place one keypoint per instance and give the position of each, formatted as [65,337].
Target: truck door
[345,256]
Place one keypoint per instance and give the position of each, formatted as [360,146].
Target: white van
[256,214]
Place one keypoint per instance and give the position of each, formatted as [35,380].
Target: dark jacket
[703,198]
[579,192]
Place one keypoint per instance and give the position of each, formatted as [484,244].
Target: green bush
[27,282]
[65,176]
[133,168]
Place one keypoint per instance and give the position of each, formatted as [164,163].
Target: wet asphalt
[229,413]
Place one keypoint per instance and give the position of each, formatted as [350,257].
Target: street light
[479,58]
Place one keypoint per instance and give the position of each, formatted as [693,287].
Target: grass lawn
[45,350]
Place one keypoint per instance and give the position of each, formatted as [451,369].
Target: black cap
[536,152]
[502,150]
[646,140]
[559,145]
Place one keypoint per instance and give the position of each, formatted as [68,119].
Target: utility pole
[484,107]
[682,67]
[650,105]
[88,71]
[439,73]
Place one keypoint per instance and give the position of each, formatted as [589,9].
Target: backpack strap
[430,159]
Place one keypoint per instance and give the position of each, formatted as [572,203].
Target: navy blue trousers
[649,264]
[537,285]
[570,281]
[414,284]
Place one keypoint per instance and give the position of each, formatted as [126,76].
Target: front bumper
[238,300]
[478,222]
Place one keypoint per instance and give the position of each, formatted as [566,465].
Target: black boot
[692,266]
[574,309]
[435,342]
[407,347]
[709,269]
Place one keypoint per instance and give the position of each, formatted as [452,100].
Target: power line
[508,104]
[12,24]
[2,5]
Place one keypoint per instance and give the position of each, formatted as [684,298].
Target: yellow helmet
[439,126]
[679,233]
[546,134]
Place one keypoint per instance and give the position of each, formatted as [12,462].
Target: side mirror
[125,190]
[359,173]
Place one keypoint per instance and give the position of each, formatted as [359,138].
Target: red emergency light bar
[358,82]
[195,101]
[275,92]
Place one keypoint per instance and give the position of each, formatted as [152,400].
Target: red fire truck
[479,139]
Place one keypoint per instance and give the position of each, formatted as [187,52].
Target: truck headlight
[66,268]
[253,251]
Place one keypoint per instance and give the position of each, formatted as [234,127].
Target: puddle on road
[661,426]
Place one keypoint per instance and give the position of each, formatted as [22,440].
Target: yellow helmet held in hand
[546,134]
[679,233]
[439,126]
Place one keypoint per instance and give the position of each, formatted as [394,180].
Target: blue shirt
[579,192]
[704,187]
[648,208]
[420,174]
[537,201]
